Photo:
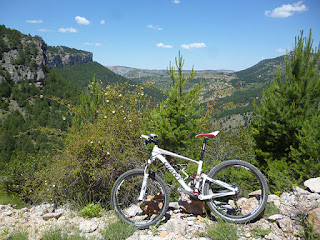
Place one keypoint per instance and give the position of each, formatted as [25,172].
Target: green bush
[18,236]
[57,234]
[11,199]
[18,179]
[91,210]
[222,231]
[103,143]
[260,232]
[270,210]
[119,230]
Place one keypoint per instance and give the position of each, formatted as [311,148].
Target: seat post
[203,147]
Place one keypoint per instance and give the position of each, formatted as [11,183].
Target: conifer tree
[177,118]
[285,108]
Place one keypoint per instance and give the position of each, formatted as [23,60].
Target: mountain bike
[233,190]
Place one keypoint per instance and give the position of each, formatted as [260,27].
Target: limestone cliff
[26,57]
[60,56]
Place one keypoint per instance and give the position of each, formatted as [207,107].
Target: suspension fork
[145,180]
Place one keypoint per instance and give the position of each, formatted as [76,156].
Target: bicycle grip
[144,136]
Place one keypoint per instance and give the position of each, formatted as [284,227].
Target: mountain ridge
[129,71]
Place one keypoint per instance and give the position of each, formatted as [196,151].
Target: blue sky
[211,34]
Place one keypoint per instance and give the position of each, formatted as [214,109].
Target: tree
[284,109]
[179,116]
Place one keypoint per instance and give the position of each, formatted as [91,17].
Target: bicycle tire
[250,200]
[124,199]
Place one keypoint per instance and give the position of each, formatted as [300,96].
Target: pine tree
[285,107]
[177,118]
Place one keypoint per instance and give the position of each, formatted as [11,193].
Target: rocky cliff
[60,56]
[26,57]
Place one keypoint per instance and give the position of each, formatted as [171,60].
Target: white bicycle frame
[157,154]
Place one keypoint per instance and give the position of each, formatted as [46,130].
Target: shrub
[119,230]
[57,234]
[101,145]
[11,199]
[91,210]
[18,236]
[222,231]
[270,210]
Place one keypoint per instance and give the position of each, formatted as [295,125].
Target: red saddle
[210,135]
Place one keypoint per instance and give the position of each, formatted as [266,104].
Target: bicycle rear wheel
[125,193]
[250,199]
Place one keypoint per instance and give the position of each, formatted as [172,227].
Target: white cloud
[193,45]
[34,21]
[102,22]
[176,1]
[82,20]
[161,45]
[45,30]
[280,50]
[154,27]
[70,29]
[286,10]
[93,44]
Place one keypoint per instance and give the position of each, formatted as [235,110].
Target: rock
[174,205]
[177,226]
[163,234]
[48,216]
[61,56]
[247,205]
[42,209]
[286,225]
[275,200]
[190,205]
[35,68]
[88,226]
[7,213]
[313,184]
[133,210]
[314,219]
[153,204]
[4,207]
[275,217]
[255,193]
[300,191]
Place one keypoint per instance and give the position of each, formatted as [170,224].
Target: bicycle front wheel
[125,194]
[250,198]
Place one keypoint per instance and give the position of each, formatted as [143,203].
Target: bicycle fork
[145,180]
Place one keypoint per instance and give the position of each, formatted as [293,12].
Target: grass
[260,232]
[119,230]
[222,230]
[308,231]
[57,234]
[11,199]
[18,236]
[270,210]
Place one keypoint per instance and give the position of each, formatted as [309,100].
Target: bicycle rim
[125,201]
[250,199]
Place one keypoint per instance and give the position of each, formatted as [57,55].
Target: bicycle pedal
[191,194]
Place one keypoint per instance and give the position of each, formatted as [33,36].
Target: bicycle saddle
[210,135]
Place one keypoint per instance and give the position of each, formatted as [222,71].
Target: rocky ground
[294,210]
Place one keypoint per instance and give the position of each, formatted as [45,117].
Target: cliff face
[60,56]
[25,61]
[25,57]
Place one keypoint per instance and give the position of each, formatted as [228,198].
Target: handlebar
[153,138]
